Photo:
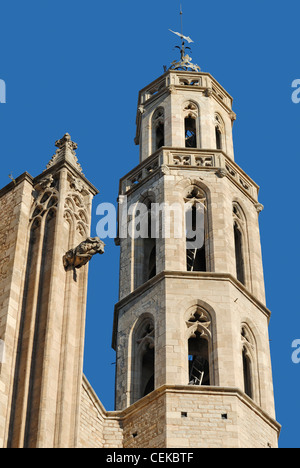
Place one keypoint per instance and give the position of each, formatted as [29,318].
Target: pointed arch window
[158,129]
[239,243]
[143,368]
[249,362]
[199,347]
[144,245]
[219,132]
[195,217]
[191,132]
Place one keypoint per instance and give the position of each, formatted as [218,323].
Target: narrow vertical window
[191,119]
[239,260]
[143,368]
[152,263]
[199,348]
[160,135]
[247,374]
[239,227]
[149,251]
[218,138]
[144,245]
[190,133]
[198,361]
[219,131]
[147,377]
[195,210]
[158,129]
[249,362]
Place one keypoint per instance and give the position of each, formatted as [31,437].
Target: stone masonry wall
[15,203]
[216,418]
[97,428]
[178,417]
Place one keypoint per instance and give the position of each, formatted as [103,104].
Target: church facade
[191,325]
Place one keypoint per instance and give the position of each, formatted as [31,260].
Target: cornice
[207,276]
[12,185]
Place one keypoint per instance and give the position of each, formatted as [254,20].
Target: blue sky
[77,67]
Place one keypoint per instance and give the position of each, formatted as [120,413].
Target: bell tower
[191,324]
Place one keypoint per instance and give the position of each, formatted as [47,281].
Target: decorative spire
[65,152]
[185,61]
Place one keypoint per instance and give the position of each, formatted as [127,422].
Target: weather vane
[185,62]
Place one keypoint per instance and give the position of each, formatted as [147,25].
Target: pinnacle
[65,152]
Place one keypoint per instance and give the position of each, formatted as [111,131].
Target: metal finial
[185,62]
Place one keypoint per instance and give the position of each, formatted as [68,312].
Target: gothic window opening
[152,263]
[248,360]
[147,378]
[160,135]
[247,374]
[219,131]
[199,348]
[145,249]
[149,251]
[158,129]
[195,209]
[239,241]
[143,359]
[198,361]
[218,139]
[190,132]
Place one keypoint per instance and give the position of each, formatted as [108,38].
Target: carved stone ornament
[81,255]
[208,92]
[232,115]
[222,172]
[65,152]
[76,185]
[66,141]
[185,64]
[165,170]
[259,207]
[44,183]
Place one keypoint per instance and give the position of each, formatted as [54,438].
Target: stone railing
[186,158]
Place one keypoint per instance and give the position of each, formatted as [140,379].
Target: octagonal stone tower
[191,324]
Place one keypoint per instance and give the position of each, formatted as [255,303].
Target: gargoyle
[81,255]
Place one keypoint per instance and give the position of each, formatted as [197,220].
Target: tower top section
[184,109]
[185,62]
